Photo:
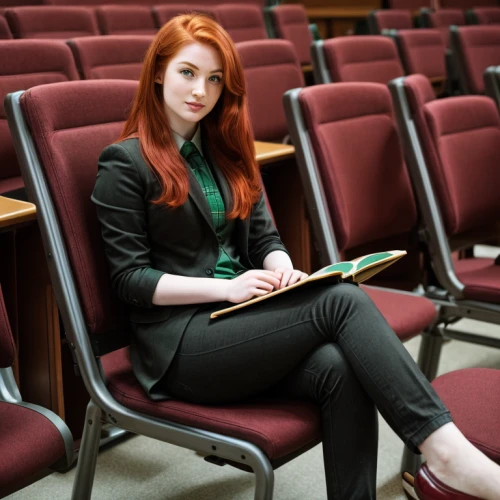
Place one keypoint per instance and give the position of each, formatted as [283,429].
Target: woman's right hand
[254,283]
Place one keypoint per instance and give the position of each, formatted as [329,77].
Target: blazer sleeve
[121,209]
[263,237]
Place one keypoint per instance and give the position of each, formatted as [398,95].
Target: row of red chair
[414,5]
[241,21]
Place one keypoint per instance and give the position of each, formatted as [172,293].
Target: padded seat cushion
[473,397]
[277,427]
[406,314]
[29,443]
[481,278]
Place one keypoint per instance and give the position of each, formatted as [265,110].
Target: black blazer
[144,240]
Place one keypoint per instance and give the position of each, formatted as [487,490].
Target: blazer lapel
[199,199]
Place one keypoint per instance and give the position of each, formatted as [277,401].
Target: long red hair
[226,128]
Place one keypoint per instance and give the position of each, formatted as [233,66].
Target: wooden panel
[14,212]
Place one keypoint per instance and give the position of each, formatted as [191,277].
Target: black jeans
[328,343]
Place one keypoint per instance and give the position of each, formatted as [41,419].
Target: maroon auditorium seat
[459,138]
[242,22]
[370,58]
[24,64]
[473,397]
[271,67]
[466,4]
[290,22]
[483,15]
[125,20]
[164,12]
[423,51]
[412,5]
[346,144]
[474,49]
[32,438]
[5,33]
[442,19]
[51,22]
[393,19]
[256,434]
[112,56]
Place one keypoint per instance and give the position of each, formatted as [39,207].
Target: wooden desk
[15,212]
[269,152]
[336,21]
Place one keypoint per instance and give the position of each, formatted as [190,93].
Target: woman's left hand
[289,276]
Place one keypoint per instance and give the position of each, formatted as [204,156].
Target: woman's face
[192,84]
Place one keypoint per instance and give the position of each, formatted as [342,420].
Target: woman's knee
[328,371]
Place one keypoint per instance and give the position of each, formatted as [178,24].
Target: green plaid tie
[191,154]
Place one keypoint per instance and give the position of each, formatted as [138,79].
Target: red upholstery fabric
[163,13]
[473,398]
[7,347]
[29,443]
[394,19]
[277,427]
[291,23]
[466,4]
[481,278]
[125,20]
[271,68]
[69,144]
[5,33]
[242,22]
[112,56]
[423,51]
[479,47]
[357,150]
[487,15]
[442,19]
[409,4]
[23,64]
[463,160]
[87,3]
[362,59]
[51,22]
[406,314]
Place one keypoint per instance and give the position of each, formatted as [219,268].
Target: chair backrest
[242,22]
[69,138]
[355,148]
[112,56]
[466,4]
[422,51]
[393,19]
[290,22]
[125,20]
[5,33]
[51,22]
[164,12]
[483,15]
[7,347]
[474,49]
[271,68]
[358,59]
[24,64]
[442,19]
[412,5]
[460,140]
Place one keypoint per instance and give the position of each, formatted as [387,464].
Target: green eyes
[189,73]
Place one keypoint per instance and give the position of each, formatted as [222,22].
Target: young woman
[187,230]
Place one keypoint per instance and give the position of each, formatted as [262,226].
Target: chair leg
[430,352]
[87,456]
[264,479]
